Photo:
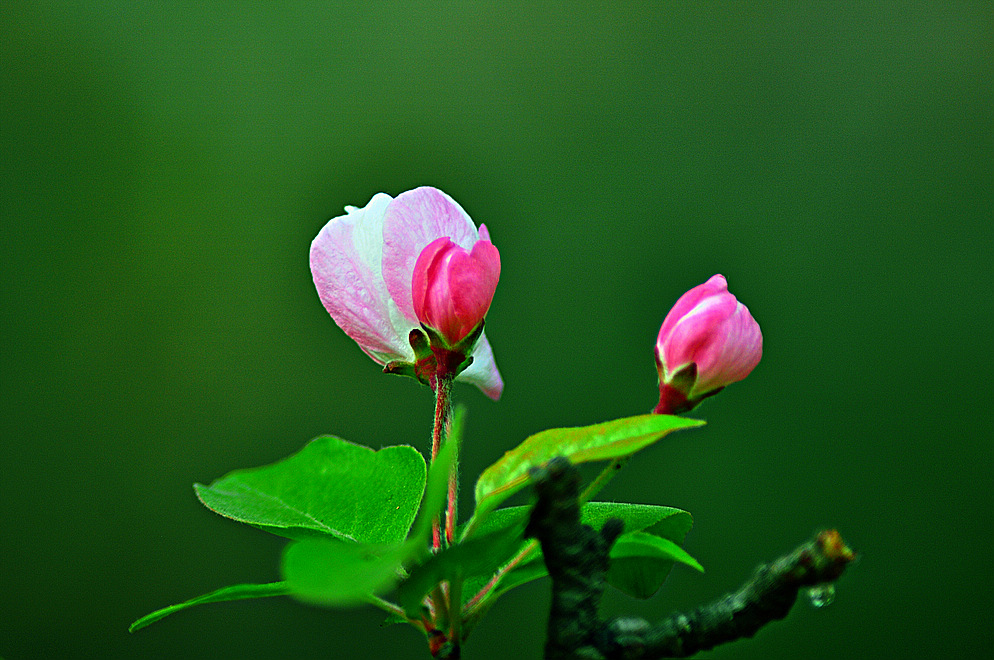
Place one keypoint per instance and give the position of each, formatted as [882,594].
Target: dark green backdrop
[165,166]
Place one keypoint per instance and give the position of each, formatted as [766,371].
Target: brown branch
[577,559]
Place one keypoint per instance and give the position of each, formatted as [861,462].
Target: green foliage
[362,521]
[235,592]
[600,442]
[667,525]
[331,487]
[640,562]
[479,557]
[331,572]
[341,573]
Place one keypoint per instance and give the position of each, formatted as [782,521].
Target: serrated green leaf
[341,573]
[235,592]
[641,561]
[329,488]
[614,439]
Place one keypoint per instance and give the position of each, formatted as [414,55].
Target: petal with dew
[345,260]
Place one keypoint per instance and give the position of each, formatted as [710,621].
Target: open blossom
[707,341]
[363,264]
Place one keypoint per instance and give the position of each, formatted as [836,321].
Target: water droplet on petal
[821,595]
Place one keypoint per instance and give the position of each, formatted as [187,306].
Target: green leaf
[236,592]
[329,488]
[341,573]
[641,561]
[609,440]
[479,556]
[661,521]
[665,521]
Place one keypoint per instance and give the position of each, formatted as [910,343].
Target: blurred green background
[166,165]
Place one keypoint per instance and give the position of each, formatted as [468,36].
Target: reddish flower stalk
[443,414]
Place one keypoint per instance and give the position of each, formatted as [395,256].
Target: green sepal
[419,344]
[452,360]
[400,368]
[468,343]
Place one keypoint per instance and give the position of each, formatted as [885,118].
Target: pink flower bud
[453,287]
[363,266]
[707,341]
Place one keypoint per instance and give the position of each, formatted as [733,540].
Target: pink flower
[453,288]
[363,265]
[707,341]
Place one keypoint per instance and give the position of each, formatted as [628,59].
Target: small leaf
[641,561]
[235,592]
[329,488]
[662,521]
[614,439]
[341,573]
[481,555]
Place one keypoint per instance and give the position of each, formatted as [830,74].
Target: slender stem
[396,610]
[592,489]
[443,410]
[451,509]
[455,610]
[469,613]
[603,478]
[443,614]
[439,599]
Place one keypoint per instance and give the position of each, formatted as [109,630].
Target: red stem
[442,385]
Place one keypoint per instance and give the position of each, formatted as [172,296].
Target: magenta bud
[707,341]
[452,287]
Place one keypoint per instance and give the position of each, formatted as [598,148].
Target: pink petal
[425,273]
[345,262]
[716,285]
[694,337]
[415,219]
[473,281]
[483,372]
[737,350]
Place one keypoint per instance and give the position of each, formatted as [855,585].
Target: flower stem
[455,611]
[470,611]
[443,414]
[451,508]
